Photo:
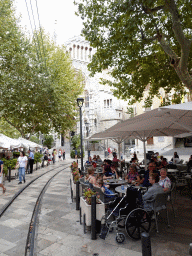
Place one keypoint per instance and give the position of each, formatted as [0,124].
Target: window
[82,52]
[86,53]
[74,50]
[86,99]
[150,141]
[110,103]
[78,51]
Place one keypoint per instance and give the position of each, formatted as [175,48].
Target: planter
[86,209]
[73,186]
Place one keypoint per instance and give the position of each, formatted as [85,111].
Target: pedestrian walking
[59,154]
[63,154]
[1,177]
[31,160]
[22,161]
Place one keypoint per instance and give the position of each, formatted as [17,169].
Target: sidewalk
[59,231]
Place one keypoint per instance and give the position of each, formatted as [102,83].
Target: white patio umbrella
[165,121]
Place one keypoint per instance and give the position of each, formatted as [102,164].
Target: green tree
[76,141]
[8,130]
[48,141]
[141,42]
[38,84]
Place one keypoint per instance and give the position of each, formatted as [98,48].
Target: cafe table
[172,171]
[115,182]
[123,188]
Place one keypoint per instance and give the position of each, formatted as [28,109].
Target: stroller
[127,213]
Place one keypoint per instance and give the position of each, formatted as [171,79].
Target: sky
[57,17]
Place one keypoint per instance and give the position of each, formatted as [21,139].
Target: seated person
[163,162]
[98,159]
[94,158]
[107,171]
[175,159]
[164,181]
[114,171]
[89,160]
[151,169]
[132,175]
[135,162]
[105,189]
[152,191]
[90,178]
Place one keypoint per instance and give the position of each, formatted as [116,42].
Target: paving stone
[6,245]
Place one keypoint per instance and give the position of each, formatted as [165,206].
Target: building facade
[101,109]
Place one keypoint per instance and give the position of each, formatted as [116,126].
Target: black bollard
[43,163]
[190,249]
[77,195]
[9,173]
[146,244]
[93,217]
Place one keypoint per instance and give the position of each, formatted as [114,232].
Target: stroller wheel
[120,238]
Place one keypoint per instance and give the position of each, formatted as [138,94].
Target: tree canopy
[142,43]
[38,85]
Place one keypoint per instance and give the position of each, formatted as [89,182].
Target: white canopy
[28,144]
[7,143]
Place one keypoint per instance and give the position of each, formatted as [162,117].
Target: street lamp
[80,104]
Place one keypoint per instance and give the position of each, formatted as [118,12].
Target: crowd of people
[155,178]
[26,161]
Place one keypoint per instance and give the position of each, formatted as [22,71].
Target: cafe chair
[172,196]
[159,204]
[181,184]
[105,198]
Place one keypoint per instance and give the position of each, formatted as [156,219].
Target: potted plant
[9,163]
[85,204]
[37,159]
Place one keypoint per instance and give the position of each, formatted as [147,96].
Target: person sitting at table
[105,189]
[107,170]
[175,159]
[98,159]
[135,162]
[114,171]
[189,164]
[152,191]
[94,158]
[89,160]
[151,169]
[132,175]
[163,163]
[90,178]
[164,181]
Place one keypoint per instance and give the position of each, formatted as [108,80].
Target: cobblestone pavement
[60,233]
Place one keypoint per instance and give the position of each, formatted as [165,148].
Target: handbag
[17,166]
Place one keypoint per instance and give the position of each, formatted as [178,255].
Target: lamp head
[80,102]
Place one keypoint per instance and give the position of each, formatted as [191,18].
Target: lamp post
[80,104]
